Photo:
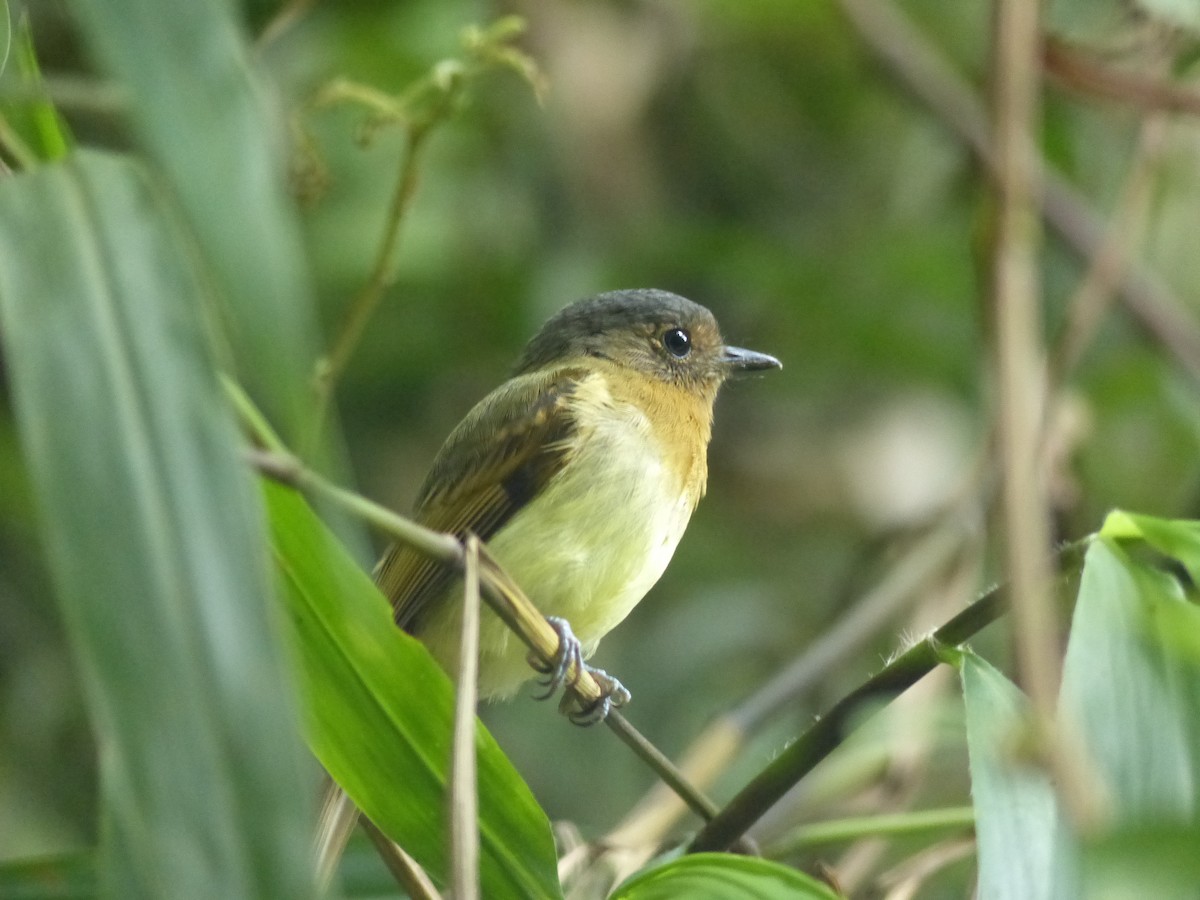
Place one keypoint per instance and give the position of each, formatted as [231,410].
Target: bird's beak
[737,360]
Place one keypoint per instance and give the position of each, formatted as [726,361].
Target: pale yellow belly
[586,549]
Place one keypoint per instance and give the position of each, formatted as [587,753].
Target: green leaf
[1177,539]
[1024,853]
[723,876]
[31,128]
[67,877]
[53,136]
[1136,704]
[154,535]
[379,714]
[1159,861]
[202,111]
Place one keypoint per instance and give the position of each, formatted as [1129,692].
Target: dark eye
[678,342]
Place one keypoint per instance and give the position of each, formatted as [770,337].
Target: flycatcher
[580,473]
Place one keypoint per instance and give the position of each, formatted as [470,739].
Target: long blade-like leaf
[1137,704]
[203,112]
[380,712]
[1024,851]
[154,535]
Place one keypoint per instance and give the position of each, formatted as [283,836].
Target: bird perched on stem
[580,472]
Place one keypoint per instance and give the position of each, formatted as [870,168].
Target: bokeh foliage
[755,157]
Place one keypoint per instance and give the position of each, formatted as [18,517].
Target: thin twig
[406,870]
[382,276]
[464,805]
[1093,298]
[1020,361]
[329,368]
[285,17]
[673,777]
[1075,69]
[835,831]
[828,732]
[922,70]
[1021,379]
[904,881]
[925,560]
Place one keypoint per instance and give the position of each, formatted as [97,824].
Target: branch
[831,729]
[1080,72]
[925,73]
[1019,358]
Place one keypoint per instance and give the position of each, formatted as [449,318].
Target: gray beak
[738,360]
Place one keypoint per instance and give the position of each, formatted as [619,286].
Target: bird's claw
[568,659]
[570,654]
[613,694]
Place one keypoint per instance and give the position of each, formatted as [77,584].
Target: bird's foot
[613,694]
[569,658]
[570,654]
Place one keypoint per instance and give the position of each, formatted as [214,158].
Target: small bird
[580,473]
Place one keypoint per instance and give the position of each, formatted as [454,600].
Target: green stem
[829,731]
[837,831]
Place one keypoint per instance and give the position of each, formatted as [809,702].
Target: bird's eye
[678,342]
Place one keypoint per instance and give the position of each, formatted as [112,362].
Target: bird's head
[658,334]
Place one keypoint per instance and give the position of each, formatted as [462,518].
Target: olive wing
[498,459]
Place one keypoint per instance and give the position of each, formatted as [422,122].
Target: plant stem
[829,731]
[890,825]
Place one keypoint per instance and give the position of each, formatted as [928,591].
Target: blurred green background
[755,157]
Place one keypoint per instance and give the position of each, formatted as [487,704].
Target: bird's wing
[495,462]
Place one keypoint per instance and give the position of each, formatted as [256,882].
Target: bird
[580,473]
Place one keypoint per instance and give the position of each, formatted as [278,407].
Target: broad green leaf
[1024,853]
[1136,703]
[199,106]
[154,534]
[723,876]
[379,713]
